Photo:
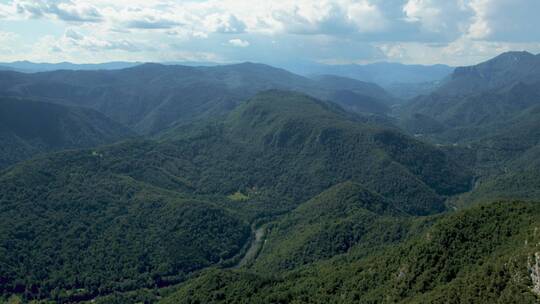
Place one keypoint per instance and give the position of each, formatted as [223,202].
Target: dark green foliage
[144,214]
[282,148]
[329,224]
[78,231]
[488,115]
[320,146]
[473,256]
[478,101]
[30,127]
[152,97]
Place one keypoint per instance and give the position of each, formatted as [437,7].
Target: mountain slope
[32,67]
[381,73]
[481,255]
[346,215]
[28,128]
[506,69]
[336,83]
[298,146]
[72,229]
[153,97]
[491,112]
[140,214]
[490,92]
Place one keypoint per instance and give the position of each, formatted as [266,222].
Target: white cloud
[437,15]
[239,43]
[66,10]
[463,51]
[224,23]
[324,30]
[367,17]
[6,37]
[505,20]
[330,17]
[7,43]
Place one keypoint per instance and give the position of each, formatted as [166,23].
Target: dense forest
[250,184]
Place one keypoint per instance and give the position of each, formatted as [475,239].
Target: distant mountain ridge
[32,67]
[382,73]
[151,97]
[504,70]
[490,111]
[490,92]
[402,80]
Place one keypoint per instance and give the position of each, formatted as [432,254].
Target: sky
[453,32]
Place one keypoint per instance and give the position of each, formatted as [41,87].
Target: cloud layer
[333,31]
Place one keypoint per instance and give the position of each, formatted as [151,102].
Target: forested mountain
[150,212]
[490,111]
[481,255]
[320,144]
[504,70]
[335,83]
[250,184]
[476,97]
[403,81]
[73,227]
[29,127]
[152,97]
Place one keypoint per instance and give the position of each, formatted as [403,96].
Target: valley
[246,183]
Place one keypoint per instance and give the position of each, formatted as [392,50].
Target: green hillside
[152,97]
[28,128]
[331,223]
[294,146]
[481,255]
[255,185]
[72,229]
[476,101]
[488,114]
[147,213]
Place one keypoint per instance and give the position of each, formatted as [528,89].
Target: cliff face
[534,271]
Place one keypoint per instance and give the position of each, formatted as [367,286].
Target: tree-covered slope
[295,146]
[146,213]
[490,113]
[152,97]
[481,255]
[476,100]
[501,71]
[475,116]
[283,148]
[508,168]
[72,228]
[31,127]
[344,216]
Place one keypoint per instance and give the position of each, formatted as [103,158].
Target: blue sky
[455,32]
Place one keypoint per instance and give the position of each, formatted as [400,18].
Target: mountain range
[405,81]
[491,110]
[247,183]
[151,97]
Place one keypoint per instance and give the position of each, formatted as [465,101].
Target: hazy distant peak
[514,55]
